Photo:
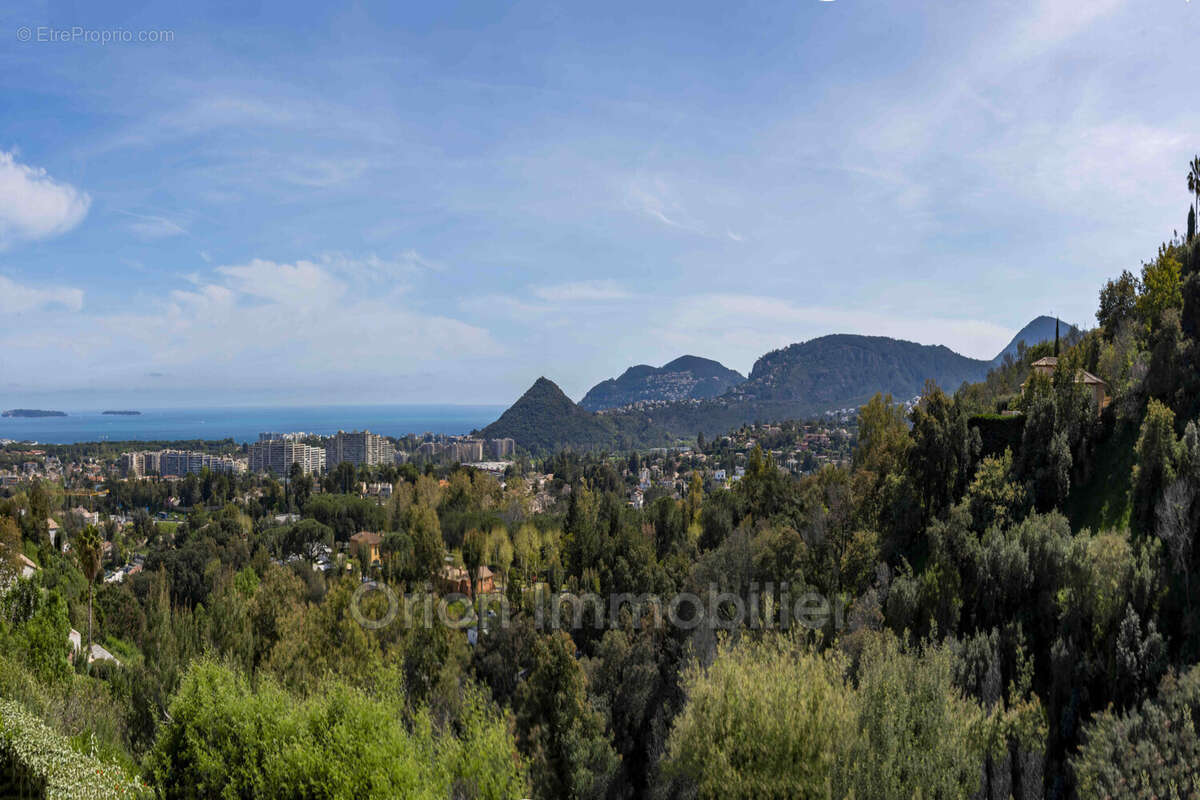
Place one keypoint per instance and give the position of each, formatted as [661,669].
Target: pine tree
[1193,180]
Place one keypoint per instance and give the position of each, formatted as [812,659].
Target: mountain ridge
[687,377]
[803,379]
[544,419]
[1040,329]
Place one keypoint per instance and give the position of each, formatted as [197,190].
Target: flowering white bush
[46,758]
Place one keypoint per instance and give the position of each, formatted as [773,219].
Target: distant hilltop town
[276,453]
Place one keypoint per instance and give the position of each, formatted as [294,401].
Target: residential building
[278,455]
[500,449]
[457,580]
[368,541]
[177,463]
[282,437]
[358,447]
[637,498]
[495,468]
[184,462]
[463,451]
[428,451]
[1097,387]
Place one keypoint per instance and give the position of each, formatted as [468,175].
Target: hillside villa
[368,541]
[1099,389]
[458,580]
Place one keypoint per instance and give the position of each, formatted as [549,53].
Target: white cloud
[581,292]
[261,325]
[15,298]
[301,285]
[35,206]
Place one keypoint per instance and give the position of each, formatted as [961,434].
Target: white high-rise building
[358,447]
[277,456]
[177,463]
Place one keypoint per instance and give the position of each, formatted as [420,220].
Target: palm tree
[88,547]
[1194,180]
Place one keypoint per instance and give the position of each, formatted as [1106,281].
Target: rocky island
[31,412]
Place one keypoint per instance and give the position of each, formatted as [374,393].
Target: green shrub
[1151,751]
[226,738]
[35,756]
[776,720]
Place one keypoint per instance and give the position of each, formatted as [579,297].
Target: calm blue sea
[244,424]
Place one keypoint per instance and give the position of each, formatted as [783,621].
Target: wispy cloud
[1050,23]
[374,267]
[35,206]
[16,298]
[581,292]
[651,196]
[149,226]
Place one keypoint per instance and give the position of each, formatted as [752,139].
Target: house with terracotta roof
[458,580]
[369,541]
[1099,389]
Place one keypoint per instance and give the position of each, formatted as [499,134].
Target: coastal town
[94,490]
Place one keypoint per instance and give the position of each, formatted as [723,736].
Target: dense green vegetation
[342,743]
[36,761]
[993,599]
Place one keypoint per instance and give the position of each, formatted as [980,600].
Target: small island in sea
[31,412]
[123,413]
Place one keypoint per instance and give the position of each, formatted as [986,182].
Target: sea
[246,423]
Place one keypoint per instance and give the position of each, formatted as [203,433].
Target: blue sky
[439,202]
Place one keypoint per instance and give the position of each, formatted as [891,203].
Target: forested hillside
[685,378]
[544,419]
[994,598]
